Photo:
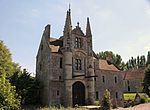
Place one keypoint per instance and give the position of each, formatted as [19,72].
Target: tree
[147,80]
[112,58]
[148,58]
[6,63]
[26,86]
[106,101]
[9,100]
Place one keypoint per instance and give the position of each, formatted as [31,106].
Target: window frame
[78,64]
[78,42]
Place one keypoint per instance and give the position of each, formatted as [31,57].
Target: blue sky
[122,26]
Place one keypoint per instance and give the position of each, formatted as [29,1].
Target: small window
[116,95]
[129,88]
[115,79]
[96,95]
[78,64]
[103,79]
[78,42]
[59,77]
[128,82]
[57,93]
[60,64]
[94,79]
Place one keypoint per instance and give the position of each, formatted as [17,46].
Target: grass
[131,96]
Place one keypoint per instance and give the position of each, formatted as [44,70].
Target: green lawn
[131,96]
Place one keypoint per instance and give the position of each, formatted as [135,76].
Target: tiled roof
[133,74]
[55,44]
[104,65]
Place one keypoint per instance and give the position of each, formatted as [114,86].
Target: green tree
[106,101]
[148,58]
[26,86]
[9,100]
[112,58]
[147,80]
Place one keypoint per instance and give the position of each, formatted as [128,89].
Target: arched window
[103,79]
[78,42]
[115,79]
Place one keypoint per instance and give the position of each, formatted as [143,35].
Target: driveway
[145,106]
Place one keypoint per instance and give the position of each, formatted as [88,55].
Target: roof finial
[78,24]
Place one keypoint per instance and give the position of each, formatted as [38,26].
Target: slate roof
[78,31]
[104,65]
[133,74]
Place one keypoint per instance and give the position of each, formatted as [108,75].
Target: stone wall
[112,81]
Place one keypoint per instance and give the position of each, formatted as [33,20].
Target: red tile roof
[133,74]
[103,65]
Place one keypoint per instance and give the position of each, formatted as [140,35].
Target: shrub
[106,101]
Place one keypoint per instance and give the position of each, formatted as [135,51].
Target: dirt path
[145,106]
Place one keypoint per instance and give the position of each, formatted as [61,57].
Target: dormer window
[78,42]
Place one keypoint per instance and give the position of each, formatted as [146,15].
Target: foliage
[8,97]
[26,86]
[148,58]
[6,63]
[147,80]
[112,58]
[106,101]
[97,103]
[138,62]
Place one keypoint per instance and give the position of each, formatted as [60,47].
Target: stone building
[70,71]
[108,77]
[133,80]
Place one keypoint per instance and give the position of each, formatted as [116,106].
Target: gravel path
[145,106]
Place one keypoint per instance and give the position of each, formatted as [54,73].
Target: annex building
[70,71]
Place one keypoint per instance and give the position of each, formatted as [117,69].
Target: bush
[97,103]
[106,101]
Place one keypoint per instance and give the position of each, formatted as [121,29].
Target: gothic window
[78,64]
[60,63]
[116,95]
[103,79]
[115,79]
[96,95]
[78,42]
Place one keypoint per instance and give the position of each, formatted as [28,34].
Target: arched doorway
[78,93]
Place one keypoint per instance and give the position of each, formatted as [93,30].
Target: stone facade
[133,80]
[70,71]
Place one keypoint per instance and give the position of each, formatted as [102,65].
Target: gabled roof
[104,65]
[133,74]
[55,44]
[78,31]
